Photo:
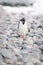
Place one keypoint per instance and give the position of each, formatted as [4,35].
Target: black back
[23,20]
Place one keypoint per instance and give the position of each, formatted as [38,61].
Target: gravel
[16,51]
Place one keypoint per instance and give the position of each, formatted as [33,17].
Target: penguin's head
[23,20]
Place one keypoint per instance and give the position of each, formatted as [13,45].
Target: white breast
[23,29]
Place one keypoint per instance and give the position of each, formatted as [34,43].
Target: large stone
[40,44]
[2,63]
[1,59]
[6,53]
[41,58]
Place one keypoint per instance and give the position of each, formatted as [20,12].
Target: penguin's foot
[23,36]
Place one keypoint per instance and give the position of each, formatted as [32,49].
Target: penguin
[22,28]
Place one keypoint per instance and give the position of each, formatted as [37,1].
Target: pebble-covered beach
[16,51]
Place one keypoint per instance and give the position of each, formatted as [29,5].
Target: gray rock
[40,44]
[3,63]
[8,56]
[41,58]
[13,64]
[30,54]
[1,58]
[10,61]
[29,63]
[7,53]
[42,63]
[37,63]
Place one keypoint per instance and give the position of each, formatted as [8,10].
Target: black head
[23,20]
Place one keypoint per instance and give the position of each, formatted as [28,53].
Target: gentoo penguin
[22,28]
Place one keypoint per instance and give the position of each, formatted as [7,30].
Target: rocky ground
[16,51]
